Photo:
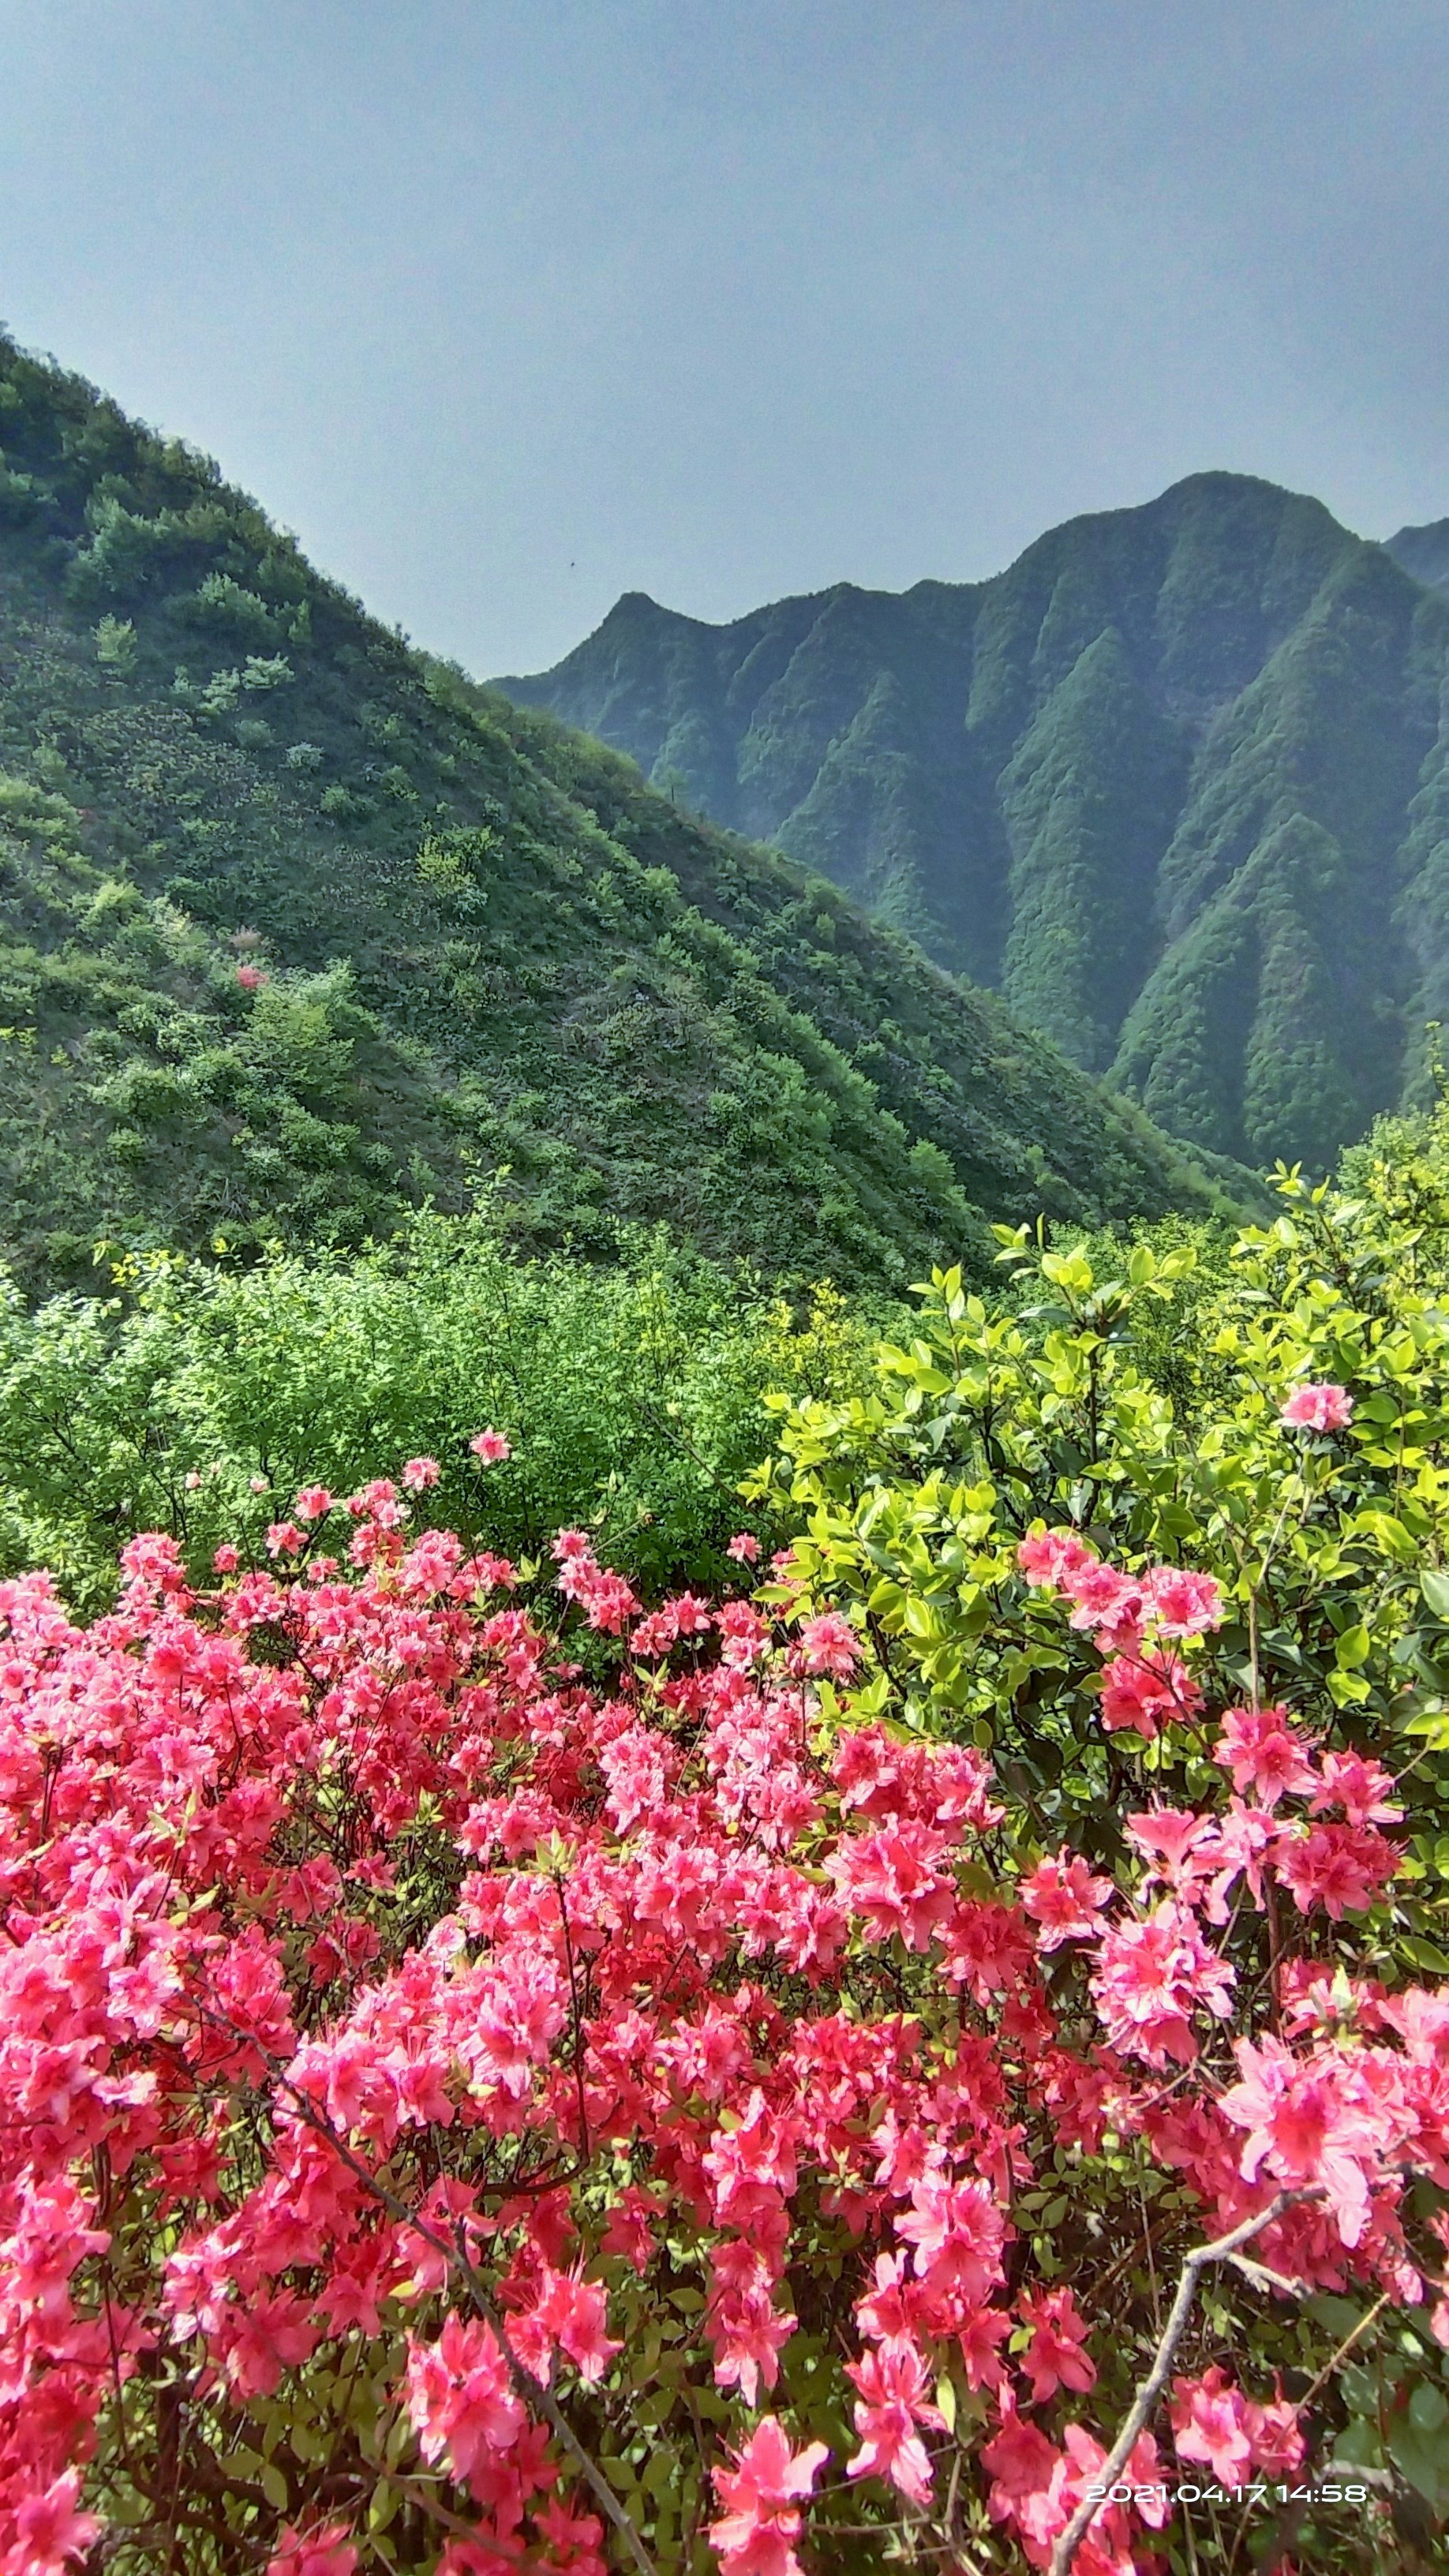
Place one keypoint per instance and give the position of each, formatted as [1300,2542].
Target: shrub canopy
[824,2071]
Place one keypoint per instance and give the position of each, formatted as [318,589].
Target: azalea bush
[486,2096]
[931,2053]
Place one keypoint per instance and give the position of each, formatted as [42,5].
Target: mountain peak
[1075,782]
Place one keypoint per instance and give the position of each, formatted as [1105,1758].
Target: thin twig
[1221,2250]
[1347,2345]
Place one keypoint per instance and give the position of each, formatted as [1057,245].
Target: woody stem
[1221,2250]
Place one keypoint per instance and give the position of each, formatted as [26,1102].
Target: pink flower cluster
[370,1975]
[1316,1406]
[1136,1623]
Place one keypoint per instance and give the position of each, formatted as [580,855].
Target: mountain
[298,928]
[1174,785]
[1423,552]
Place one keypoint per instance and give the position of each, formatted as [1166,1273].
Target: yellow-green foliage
[1070,1406]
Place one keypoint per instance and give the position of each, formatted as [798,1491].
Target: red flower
[829,1644]
[1065,1899]
[755,2534]
[324,2551]
[893,2384]
[1260,1748]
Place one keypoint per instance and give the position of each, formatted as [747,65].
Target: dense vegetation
[1177,784]
[499,2074]
[298,930]
[196,1397]
[543,2031]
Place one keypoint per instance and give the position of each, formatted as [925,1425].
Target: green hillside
[1172,785]
[1424,552]
[300,929]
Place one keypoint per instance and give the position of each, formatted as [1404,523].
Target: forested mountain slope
[1174,784]
[1424,552]
[297,928]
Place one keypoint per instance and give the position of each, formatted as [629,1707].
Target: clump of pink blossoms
[395,1978]
[1317,1406]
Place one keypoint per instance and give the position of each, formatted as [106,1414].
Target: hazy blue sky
[509,305]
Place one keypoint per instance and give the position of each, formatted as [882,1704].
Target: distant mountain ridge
[1176,784]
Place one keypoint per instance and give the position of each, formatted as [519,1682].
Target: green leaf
[1435,1589]
[1421,2455]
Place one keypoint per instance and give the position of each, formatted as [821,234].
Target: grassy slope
[487,944]
[1157,783]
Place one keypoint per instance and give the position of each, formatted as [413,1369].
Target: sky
[508,306]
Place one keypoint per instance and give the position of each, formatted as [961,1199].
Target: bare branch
[1264,2279]
[1221,2250]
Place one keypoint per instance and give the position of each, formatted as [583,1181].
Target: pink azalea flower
[958,2234]
[1361,1787]
[1155,1972]
[490,1447]
[1065,1899]
[1146,1692]
[1317,1406]
[979,2336]
[744,1547]
[1055,2358]
[1262,1751]
[828,1644]
[460,2398]
[250,978]
[419,1473]
[326,2550]
[1212,2421]
[1310,2126]
[1343,1868]
[51,2532]
[893,1881]
[1183,1603]
[1052,1560]
[1105,1598]
[762,2494]
[1208,2423]
[1019,2461]
[743,2323]
[894,2400]
[570,2314]
[604,1598]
